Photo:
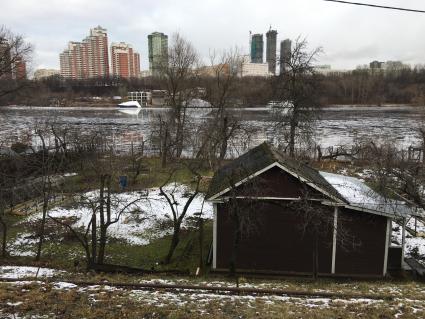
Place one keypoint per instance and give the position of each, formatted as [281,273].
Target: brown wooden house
[273,214]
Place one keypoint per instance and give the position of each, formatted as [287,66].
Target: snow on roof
[358,194]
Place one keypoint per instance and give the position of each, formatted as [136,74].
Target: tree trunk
[102,237]
[4,238]
[164,149]
[174,242]
[235,246]
[292,139]
[43,225]
[224,142]
[315,257]
[319,153]
[93,238]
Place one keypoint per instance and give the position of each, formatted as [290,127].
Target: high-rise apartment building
[19,71]
[257,48]
[5,60]
[158,52]
[73,61]
[271,37]
[88,58]
[285,54]
[125,61]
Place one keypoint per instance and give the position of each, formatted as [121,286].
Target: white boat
[130,107]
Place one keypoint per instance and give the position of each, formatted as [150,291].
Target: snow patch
[64,285]
[143,212]
[18,272]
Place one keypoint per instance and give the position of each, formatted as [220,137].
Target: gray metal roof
[343,190]
[259,158]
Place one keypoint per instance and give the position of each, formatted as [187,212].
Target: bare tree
[179,78]
[317,224]
[178,215]
[297,90]
[105,204]
[13,51]
[244,217]
[221,81]
[106,210]
[47,162]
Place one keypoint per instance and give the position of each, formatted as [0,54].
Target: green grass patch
[63,254]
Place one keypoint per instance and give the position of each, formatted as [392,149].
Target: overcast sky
[349,35]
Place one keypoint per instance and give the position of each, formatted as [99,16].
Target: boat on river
[130,107]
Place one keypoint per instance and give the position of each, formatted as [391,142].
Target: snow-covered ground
[412,243]
[22,272]
[142,219]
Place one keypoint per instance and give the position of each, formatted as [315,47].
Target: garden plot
[141,216]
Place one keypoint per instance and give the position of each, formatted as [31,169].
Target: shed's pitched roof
[260,158]
[346,191]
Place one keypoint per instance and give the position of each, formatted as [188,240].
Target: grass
[33,300]
[63,253]
[152,175]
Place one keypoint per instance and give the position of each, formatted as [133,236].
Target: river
[336,126]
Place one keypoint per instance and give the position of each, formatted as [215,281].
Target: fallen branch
[222,289]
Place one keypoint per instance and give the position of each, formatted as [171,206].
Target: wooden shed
[273,214]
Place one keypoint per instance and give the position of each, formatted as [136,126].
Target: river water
[336,126]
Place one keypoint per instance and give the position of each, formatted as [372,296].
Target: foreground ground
[141,239]
[55,295]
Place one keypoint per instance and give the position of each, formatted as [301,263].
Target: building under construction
[257,48]
[271,37]
[285,55]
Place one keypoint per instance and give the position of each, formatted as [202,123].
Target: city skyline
[345,46]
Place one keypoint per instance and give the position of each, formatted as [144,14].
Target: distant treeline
[364,87]
[357,87]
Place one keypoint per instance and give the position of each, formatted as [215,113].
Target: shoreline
[112,106]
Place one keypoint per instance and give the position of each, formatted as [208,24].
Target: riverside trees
[221,91]
[297,90]
[178,76]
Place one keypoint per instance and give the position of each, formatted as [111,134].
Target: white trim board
[387,245]
[334,238]
[214,265]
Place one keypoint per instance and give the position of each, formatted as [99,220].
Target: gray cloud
[349,35]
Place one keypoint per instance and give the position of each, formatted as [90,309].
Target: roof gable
[261,159]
